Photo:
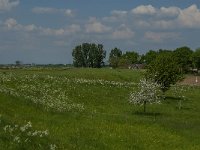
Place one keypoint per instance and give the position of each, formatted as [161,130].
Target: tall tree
[184,57]
[132,57]
[114,57]
[164,70]
[89,55]
[150,56]
[78,59]
[196,58]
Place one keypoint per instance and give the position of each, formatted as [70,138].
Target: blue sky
[46,31]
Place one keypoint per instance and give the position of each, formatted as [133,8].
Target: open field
[88,109]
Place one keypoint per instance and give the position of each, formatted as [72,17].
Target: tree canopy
[164,70]
[184,58]
[196,58]
[89,55]
[114,57]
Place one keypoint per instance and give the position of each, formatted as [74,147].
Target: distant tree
[184,58]
[128,58]
[132,57]
[160,51]
[164,70]
[114,57]
[150,56]
[18,63]
[196,58]
[88,55]
[123,62]
[78,59]
[148,92]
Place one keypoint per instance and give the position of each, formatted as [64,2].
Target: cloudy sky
[46,31]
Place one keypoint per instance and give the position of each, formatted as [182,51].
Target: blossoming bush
[148,92]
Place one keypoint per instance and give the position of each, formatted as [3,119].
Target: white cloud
[6,5]
[123,32]
[170,11]
[12,24]
[161,36]
[190,17]
[165,24]
[167,17]
[144,10]
[48,10]
[69,13]
[116,16]
[95,26]
[74,28]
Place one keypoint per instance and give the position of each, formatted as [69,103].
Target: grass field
[88,109]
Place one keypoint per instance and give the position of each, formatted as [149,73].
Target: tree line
[93,55]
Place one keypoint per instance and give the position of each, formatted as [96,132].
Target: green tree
[164,70]
[78,59]
[184,58]
[132,57]
[149,56]
[89,55]
[18,63]
[128,58]
[196,58]
[114,57]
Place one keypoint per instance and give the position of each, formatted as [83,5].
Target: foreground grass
[108,121]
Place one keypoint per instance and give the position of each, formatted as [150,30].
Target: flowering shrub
[148,92]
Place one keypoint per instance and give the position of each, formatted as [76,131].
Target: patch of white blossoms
[46,91]
[50,91]
[103,82]
[147,92]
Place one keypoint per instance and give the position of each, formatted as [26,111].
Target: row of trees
[93,55]
[184,56]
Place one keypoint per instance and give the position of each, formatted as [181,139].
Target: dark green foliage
[132,57]
[164,70]
[149,56]
[184,58]
[128,58]
[89,55]
[196,58]
[114,57]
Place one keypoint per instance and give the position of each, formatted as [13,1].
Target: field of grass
[87,109]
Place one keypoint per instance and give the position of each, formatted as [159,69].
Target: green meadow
[89,109]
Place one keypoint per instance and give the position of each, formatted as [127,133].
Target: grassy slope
[109,122]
